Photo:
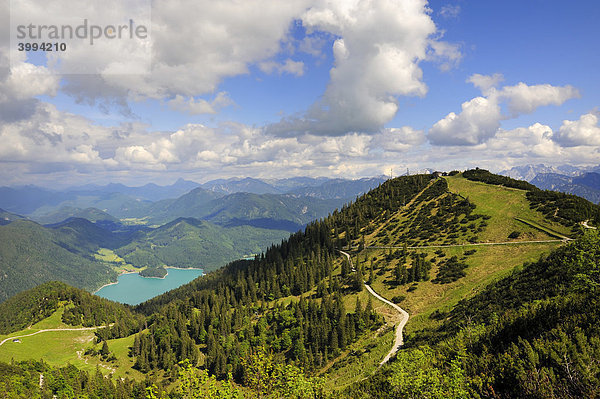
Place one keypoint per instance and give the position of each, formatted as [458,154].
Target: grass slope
[504,205]
[59,348]
[501,207]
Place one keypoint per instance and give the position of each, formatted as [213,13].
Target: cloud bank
[479,119]
[378,47]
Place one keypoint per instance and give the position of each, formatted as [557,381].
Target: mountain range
[123,201]
[584,182]
[205,227]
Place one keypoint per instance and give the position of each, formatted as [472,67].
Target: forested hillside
[29,307]
[31,254]
[188,242]
[532,334]
[231,316]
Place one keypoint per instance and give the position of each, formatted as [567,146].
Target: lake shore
[134,289]
[173,267]
[138,273]
[113,283]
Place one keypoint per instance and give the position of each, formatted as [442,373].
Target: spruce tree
[104,351]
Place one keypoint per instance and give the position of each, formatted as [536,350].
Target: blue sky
[319,88]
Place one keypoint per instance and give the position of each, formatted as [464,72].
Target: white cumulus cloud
[582,132]
[524,99]
[290,66]
[200,106]
[376,59]
[485,82]
[479,119]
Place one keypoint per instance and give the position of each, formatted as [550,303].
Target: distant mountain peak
[530,171]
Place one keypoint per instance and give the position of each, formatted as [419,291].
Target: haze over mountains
[119,198]
[584,182]
[85,235]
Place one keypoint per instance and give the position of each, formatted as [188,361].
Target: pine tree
[369,312]
[334,343]
[399,273]
[359,282]
[358,310]
[299,348]
[345,268]
[104,351]
[136,345]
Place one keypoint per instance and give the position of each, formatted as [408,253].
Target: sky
[273,89]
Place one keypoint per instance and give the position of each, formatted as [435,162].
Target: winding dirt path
[585,224]
[471,244]
[399,339]
[51,329]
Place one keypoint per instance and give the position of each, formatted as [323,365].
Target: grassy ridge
[503,205]
[485,264]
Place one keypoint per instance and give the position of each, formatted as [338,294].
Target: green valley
[88,256]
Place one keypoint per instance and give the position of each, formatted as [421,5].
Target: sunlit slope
[508,208]
[454,210]
[453,217]
[65,325]
[67,344]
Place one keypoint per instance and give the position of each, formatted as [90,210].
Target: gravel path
[399,340]
[51,329]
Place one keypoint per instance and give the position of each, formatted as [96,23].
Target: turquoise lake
[133,288]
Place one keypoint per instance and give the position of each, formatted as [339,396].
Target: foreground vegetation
[532,334]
